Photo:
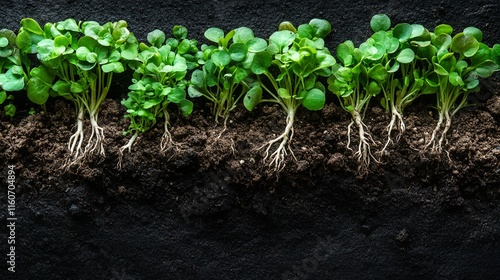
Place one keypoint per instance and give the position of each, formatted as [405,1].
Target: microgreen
[359,76]
[13,67]
[226,68]
[407,61]
[78,61]
[291,65]
[159,80]
[459,62]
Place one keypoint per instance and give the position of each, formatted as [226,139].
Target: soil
[212,209]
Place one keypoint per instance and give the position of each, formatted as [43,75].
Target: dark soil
[211,209]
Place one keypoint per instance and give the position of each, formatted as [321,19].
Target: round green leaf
[464,44]
[257,45]
[156,38]
[252,98]
[221,58]
[406,56]
[176,95]
[321,27]
[474,32]
[214,34]
[38,90]
[314,100]
[443,29]
[282,39]
[378,72]
[402,31]
[3,42]
[261,62]
[380,22]
[185,107]
[238,51]
[243,35]
[31,25]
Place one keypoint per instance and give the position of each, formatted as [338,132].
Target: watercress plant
[159,80]
[459,62]
[360,75]
[78,61]
[226,73]
[13,68]
[288,72]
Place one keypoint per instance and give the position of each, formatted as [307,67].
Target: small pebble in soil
[242,162]
[75,210]
[402,236]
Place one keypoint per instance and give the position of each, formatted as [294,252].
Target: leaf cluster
[292,63]
[160,78]
[228,65]
[74,55]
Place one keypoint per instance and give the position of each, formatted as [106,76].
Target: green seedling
[13,68]
[159,80]
[459,62]
[408,64]
[225,75]
[359,76]
[288,72]
[78,61]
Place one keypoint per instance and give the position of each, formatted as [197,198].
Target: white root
[95,144]
[277,158]
[396,117]
[364,153]
[436,147]
[128,147]
[75,141]
[167,141]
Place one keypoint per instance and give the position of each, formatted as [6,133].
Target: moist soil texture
[210,207]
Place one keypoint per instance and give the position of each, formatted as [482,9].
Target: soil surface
[210,208]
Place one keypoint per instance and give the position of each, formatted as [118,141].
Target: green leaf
[464,44]
[314,100]
[3,96]
[380,22]
[374,88]
[156,38]
[474,32]
[252,98]
[62,88]
[345,53]
[176,95]
[116,67]
[284,94]
[214,34]
[10,110]
[32,26]
[282,39]
[321,27]
[406,56]
[455,79]
[402,32]
[185,107]
[238,51]
[194,92]
[221,58]
[378,72]
[486,69]
[257,45]
[443,29]
[38,90]
[261,62]
[13,79]
[243,35]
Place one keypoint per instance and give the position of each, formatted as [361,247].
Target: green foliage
[227,68]
[291,64]
[160,79]
[13,67]
[77,62]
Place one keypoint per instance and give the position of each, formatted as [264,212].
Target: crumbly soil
[211,209]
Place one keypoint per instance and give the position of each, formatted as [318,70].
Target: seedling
[459,62]
[360,75]
[225,75]
[159,80]
[13,67]
[291,65]
[78,61]
[408,65]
